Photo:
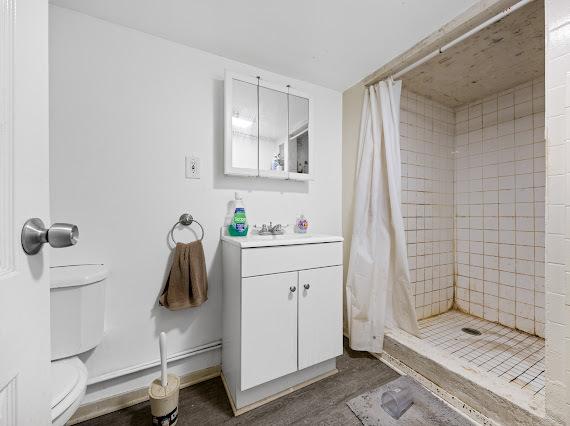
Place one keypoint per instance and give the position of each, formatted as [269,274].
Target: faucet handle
[261,230]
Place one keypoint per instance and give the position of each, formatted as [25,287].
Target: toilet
[77,302]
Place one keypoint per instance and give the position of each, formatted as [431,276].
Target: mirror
[298,143]
[244,125]
[268,129]
[273,133]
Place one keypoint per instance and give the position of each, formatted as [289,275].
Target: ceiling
[501,56]
[333,43]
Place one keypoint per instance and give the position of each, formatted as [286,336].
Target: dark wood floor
[322,403]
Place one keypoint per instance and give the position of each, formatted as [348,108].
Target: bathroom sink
[278,237]
[255,240]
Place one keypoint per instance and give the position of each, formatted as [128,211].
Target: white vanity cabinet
[282,315]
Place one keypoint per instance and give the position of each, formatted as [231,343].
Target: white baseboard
[124,400]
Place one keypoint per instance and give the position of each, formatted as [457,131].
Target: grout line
[520,362]
[541,359]
[503,351]
[484,343]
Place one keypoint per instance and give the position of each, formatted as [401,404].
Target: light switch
[192,167]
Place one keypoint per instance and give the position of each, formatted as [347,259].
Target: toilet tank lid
[77,275]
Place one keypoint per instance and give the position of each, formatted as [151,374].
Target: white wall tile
[427,194]
[557,326]
[504,188]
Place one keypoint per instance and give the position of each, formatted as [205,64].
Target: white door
[320,315]
[24,193]
[268,327]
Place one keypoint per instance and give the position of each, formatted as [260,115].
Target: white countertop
[254,240]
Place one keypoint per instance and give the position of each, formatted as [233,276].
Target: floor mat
[427,409]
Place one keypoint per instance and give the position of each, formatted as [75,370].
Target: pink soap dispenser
[301,224]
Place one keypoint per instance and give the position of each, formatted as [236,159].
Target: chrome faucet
[271,229]
[277,229]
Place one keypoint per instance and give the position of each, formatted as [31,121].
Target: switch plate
[192,167]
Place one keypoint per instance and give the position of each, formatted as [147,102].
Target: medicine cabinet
[268,129]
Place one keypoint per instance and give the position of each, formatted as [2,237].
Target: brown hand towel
[187,284]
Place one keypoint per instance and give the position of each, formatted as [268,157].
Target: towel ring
[186,219]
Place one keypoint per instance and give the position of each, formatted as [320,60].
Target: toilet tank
[77,302]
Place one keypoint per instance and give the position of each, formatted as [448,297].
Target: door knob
[307,286]
[35,234]
[292,289]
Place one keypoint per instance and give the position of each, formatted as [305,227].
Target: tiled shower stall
[473,183]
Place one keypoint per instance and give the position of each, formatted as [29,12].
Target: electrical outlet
[192,168]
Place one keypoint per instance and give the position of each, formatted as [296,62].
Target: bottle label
[239,226]
[302,225]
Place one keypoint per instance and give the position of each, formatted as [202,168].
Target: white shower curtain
[378,283]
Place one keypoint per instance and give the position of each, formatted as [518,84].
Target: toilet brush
[163,360]
[163,392]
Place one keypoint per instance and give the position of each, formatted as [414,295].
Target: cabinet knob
[307,286]
[292,289]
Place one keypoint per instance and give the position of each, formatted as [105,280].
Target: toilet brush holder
[164,401]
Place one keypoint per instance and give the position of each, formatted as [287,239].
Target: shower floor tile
[512,355]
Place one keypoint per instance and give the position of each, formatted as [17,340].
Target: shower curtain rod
[459,39]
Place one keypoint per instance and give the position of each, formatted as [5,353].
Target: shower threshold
[494,369]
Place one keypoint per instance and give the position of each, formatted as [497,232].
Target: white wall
[125,108]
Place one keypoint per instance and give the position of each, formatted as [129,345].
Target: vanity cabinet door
[269,328]
[320,315]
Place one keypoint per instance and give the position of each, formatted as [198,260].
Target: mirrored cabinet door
[243,154]
[273,132]
[298,158]
[268,129]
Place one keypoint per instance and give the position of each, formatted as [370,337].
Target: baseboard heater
[145,366]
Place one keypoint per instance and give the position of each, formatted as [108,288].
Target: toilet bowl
[68,384]
[77,301]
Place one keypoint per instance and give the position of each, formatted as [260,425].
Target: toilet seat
[68,384]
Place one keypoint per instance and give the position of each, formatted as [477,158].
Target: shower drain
[472,331]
